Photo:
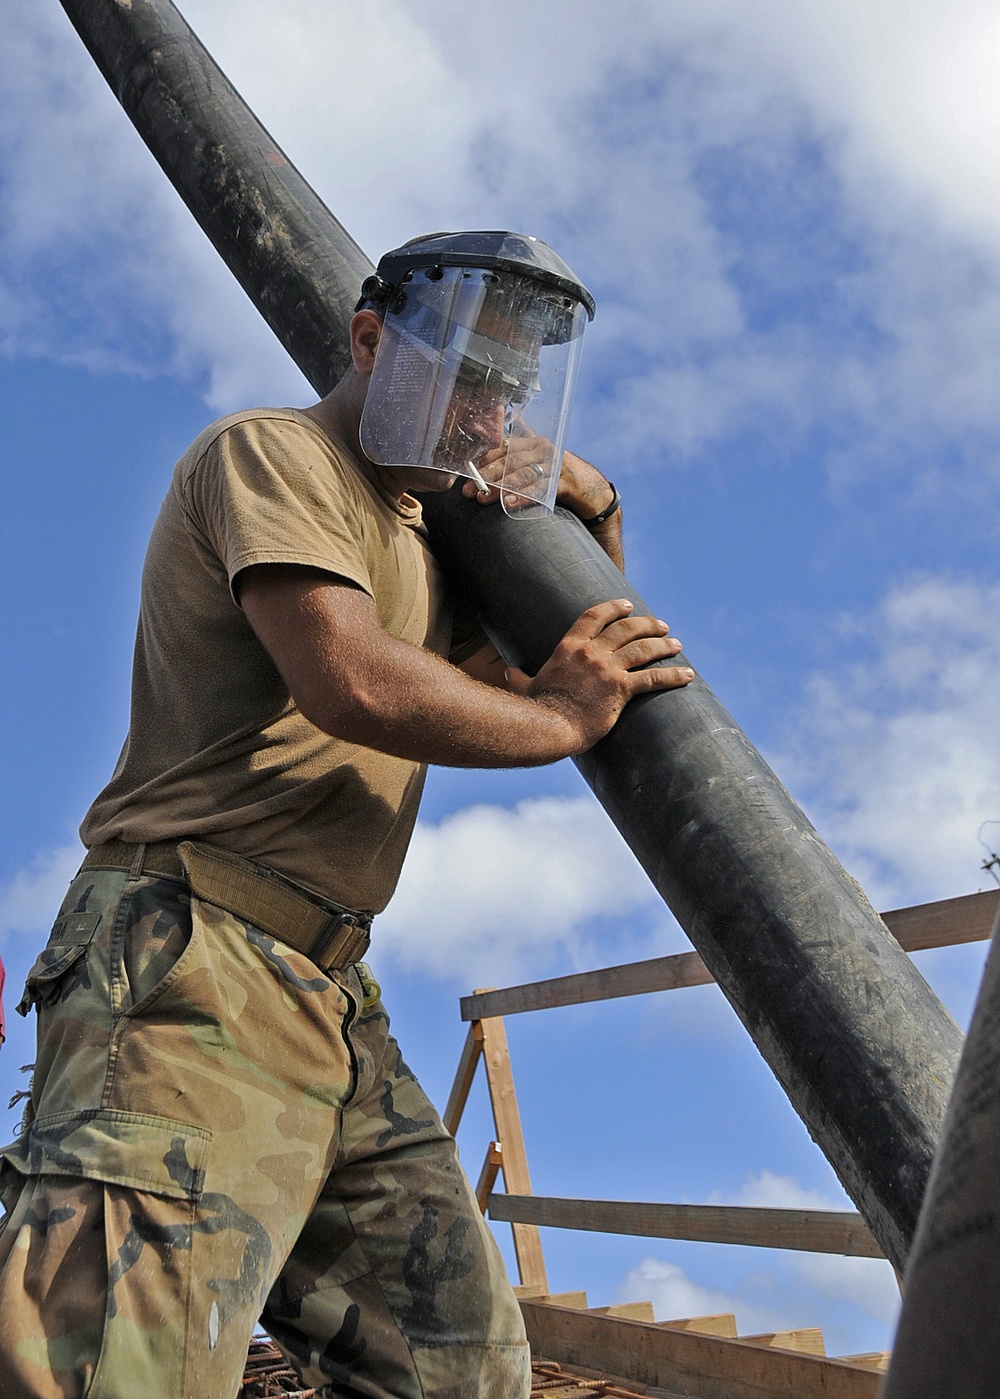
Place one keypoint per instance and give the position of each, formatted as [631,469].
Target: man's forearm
[589,494]
[415,705]
[355,682]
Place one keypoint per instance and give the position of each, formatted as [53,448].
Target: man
[220,1123]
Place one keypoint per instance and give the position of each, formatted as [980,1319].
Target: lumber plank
[946,923]
[514,1158]
[636,1311]
[492,1165]
[533,1292]
[713,1367]
[467,1064]
[873,1359]
[605,984]
[808,1340]
[722,1324]
[812,1231]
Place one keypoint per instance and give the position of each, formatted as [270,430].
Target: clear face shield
[473,376]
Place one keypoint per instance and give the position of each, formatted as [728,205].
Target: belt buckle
[341,942]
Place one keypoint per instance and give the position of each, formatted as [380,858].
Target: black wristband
[616,504]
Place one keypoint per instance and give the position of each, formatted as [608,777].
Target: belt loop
[138,860]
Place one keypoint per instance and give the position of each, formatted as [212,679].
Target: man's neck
[339,415]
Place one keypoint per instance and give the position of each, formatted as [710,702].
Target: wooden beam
[811,1231]
[808,1340]
[946,923]
[635,1311]
[605,984]
[684,1362]
[872,1360]
[471,1054]
[942,924]
[722,1324]
[514,1158]
[577,1300]
[492,1165]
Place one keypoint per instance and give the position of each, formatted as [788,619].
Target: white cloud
[920,83]
[868,1283]
[801,1289]
[28,902]
[771,1191]
[490,893]
[101,265]
[675,1296]
[897,752]
[775,202]
[362,99]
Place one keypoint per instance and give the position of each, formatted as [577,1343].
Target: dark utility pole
[861,1045]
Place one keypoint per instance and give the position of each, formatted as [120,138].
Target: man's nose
[487,421]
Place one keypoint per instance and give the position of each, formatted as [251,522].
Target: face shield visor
[473,376]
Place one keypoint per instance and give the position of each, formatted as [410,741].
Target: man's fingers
[673,677]
[625,630]
[482,496]
[517,680]
[598,618]
[644,650]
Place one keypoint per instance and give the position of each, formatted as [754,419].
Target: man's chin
[429,478]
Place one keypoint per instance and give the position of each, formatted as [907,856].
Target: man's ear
[366,329]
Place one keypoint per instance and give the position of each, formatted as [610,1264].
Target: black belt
[331,936]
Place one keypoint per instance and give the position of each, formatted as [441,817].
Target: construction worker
[220,1124]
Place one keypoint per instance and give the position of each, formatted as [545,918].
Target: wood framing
[468,1062]
[492,1165]
[605,984]
[514,1159]
[811,1231]
[945,923]
[808,1340]
[942,924]
[721,1324]
[687,1362]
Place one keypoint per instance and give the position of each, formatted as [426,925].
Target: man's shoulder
[256,423]
[285,439]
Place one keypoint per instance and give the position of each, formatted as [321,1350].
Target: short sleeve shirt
[217,748]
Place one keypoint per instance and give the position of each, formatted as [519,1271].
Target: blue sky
[790,216]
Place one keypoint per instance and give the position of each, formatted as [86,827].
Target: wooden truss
[699,1357]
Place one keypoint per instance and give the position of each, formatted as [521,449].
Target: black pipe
[862,1046]
[299,265]
[858,1040]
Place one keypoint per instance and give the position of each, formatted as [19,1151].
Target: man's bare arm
[354,681]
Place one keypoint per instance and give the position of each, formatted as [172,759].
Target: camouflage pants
[218,1130]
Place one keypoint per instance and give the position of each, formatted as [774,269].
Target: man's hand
[592,674]
[582,488]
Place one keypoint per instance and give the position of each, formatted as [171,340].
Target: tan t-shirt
[216,747]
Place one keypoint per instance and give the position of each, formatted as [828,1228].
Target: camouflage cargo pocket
[69,941]
[149,1153]
[99,1271]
